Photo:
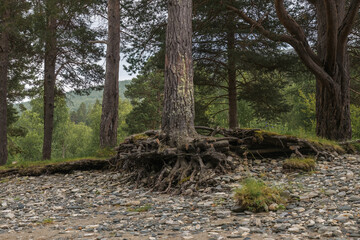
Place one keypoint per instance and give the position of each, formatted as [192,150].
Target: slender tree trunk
[233,120]
[49,85]
[4,64]
[332,104]
[178,114]
[110,104]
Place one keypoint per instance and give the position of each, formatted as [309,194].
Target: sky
[123,75]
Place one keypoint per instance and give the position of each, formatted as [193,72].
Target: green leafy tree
[77,140]
[61,128]
[94,117]
[125,108]
[29,145]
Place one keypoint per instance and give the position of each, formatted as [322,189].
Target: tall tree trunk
[232,90]
[110,104]
[4,64]
[49,85]
[332,103]
[178,114]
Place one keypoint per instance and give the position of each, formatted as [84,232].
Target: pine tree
[4,65]
[14,65]
[64,31]
[110,104]
[178,114]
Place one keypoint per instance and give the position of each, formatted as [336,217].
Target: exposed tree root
[152,163]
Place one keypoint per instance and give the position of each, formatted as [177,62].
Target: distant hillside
[74,101]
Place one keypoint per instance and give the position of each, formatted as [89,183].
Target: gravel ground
[95,205]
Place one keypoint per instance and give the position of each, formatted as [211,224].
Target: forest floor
[96,205]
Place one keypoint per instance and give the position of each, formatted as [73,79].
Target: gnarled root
[151,162]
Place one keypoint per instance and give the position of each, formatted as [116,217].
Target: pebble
[96,205]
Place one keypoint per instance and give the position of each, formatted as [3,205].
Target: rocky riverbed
[96,205]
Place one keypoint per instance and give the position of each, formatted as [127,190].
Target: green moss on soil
[302,164]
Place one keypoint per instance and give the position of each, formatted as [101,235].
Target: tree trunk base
[151,162]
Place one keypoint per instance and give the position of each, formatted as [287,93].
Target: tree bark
[110,104]
[4,64]
[178,114]
[332,104]
[232,90]
[49,84]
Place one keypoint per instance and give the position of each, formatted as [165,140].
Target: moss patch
[259,134]
[255,195]
[140,136]
[184,180]
[302,164]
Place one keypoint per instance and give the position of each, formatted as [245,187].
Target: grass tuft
[255,195]
[47,221]
[144,208]
[302,164]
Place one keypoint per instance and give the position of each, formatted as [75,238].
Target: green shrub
[255,195]
[302,164]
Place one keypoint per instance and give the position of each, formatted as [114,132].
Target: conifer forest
[236,119]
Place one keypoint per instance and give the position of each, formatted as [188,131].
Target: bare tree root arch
[150,161]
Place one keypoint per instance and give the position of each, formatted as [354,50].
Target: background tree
[80,115]
[110,104]
[4,65]
[330,64]
[64,30]
[15,62]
